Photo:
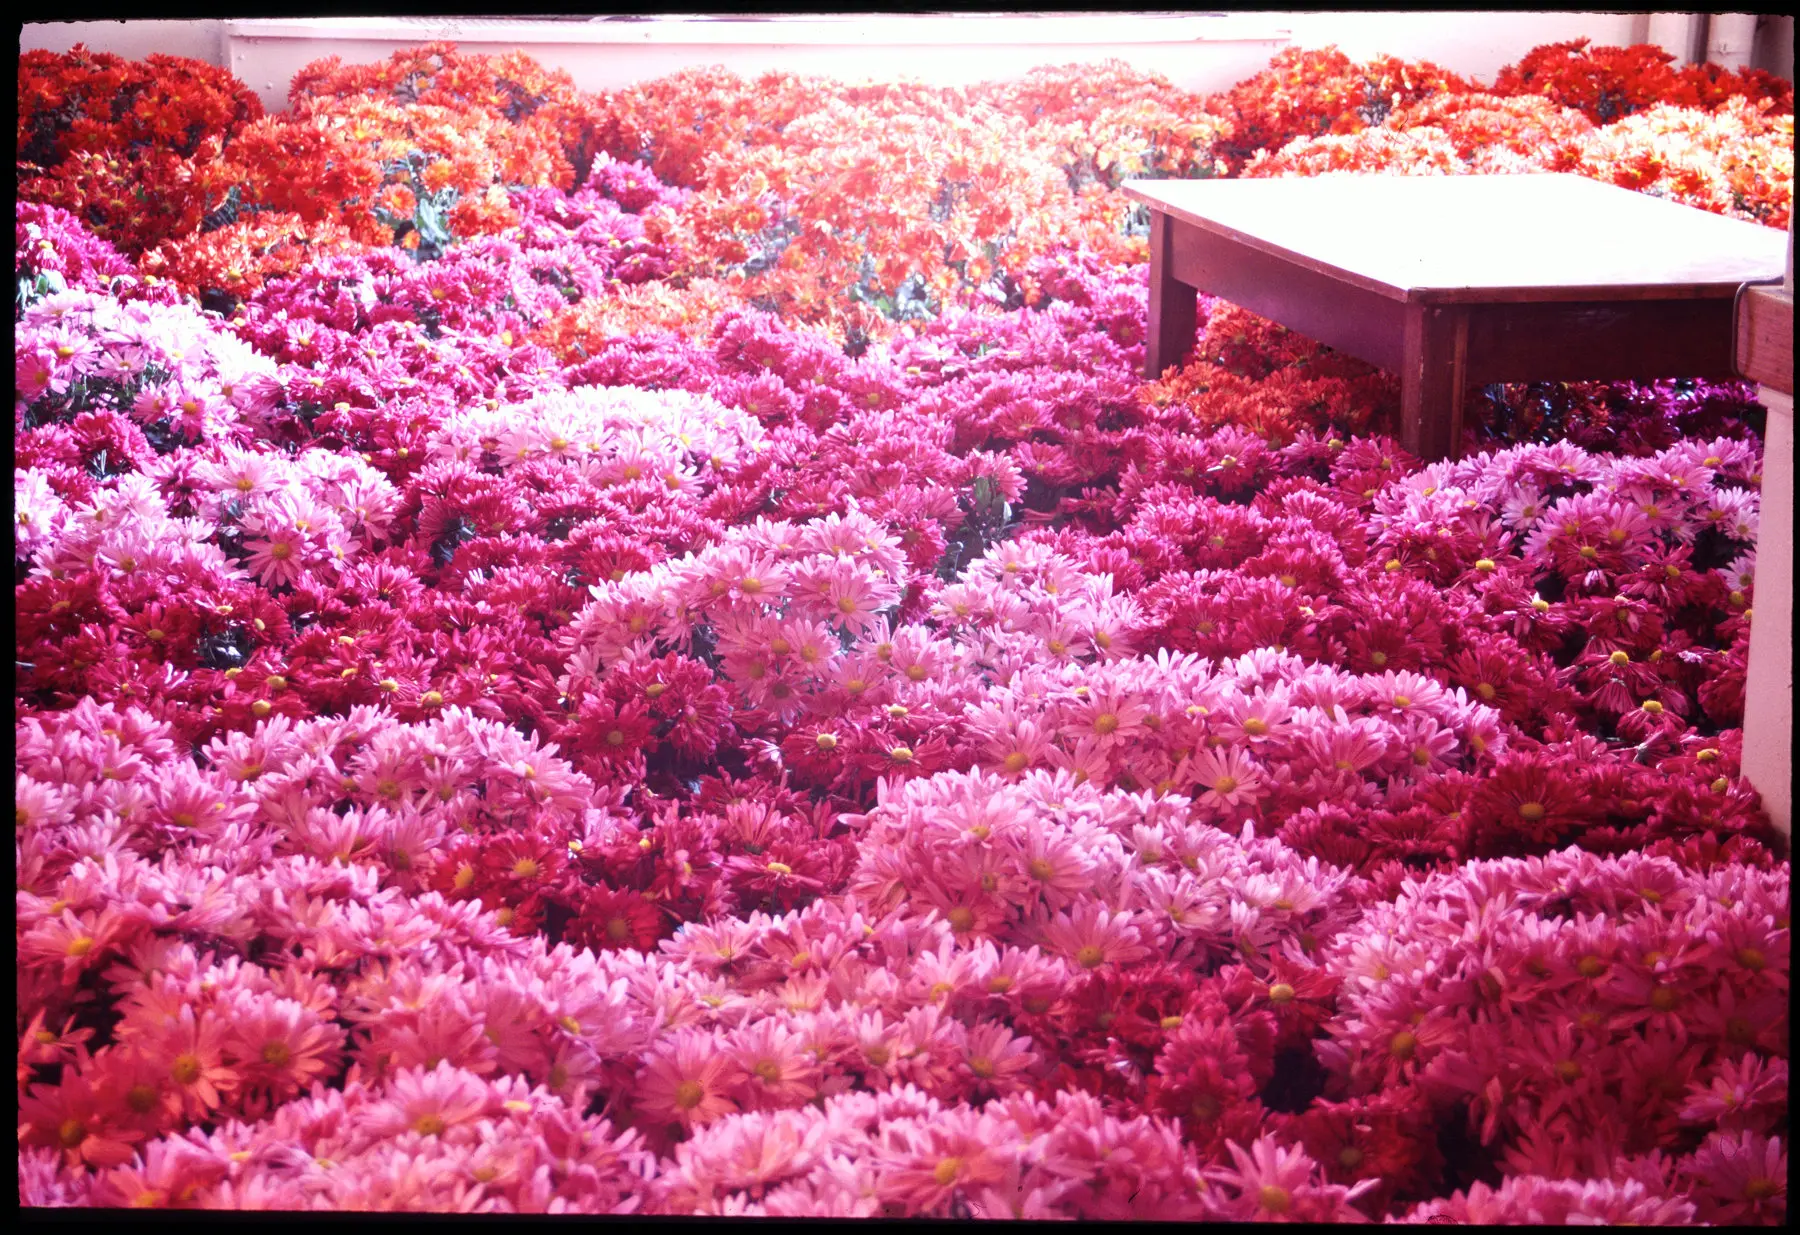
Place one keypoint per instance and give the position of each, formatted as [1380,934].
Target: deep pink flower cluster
[721,773]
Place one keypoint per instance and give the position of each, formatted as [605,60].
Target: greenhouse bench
[1453,280]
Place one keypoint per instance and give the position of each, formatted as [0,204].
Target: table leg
[1769,695]
[1433,380]
[1173,308]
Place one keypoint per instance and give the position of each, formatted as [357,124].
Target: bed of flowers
[652,653]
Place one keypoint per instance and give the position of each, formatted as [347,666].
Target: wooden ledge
[1765,337]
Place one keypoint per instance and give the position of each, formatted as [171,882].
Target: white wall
[198,40]
[605,55]
[1475,44]
[1196,51]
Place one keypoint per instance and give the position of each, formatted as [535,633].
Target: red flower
[610,919]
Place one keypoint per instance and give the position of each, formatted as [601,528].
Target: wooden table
[1453,280]
[1765,354]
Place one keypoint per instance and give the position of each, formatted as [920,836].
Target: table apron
[1617,340]
[1581,340]
[1338,314]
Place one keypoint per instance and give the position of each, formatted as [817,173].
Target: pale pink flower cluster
[163,362]
[1505,500]
[903,1151]
[124,529]
[1085,874]
[793,610]
[1232,735]
[440,1138]
[610,435]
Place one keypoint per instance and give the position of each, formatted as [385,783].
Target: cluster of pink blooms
[716,773]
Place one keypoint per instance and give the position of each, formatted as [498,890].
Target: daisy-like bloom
[1254,719]
[1752,949]
[1740,1177]
[1091,935]
[1740,576]
[278,556]
[1734,512]
[78,1120]
[431,1103]
[1747,1093]
[811,644]
[41,1046]
[853,596]
[1087,763]
[1523,509]
[34,371]
[279,1046]
[1020,745]
[1055,868]
[1111,718]
[1428,745]
[1276,1185]
[775,1069]
[993,1057]
[687,1079]
[876,1049]
[753,1150]
[616,919]
[172,1172]
[1227,777]
[38,512]
[1062,640]
[959,1151]
[72,942]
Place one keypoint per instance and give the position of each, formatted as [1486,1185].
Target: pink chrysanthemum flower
[1090,935]
[687,1079]
[1740,1177]
[1227,777]
[431,1103]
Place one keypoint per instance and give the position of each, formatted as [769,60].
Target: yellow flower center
[688,1095]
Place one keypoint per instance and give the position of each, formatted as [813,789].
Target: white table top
[1481,238]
